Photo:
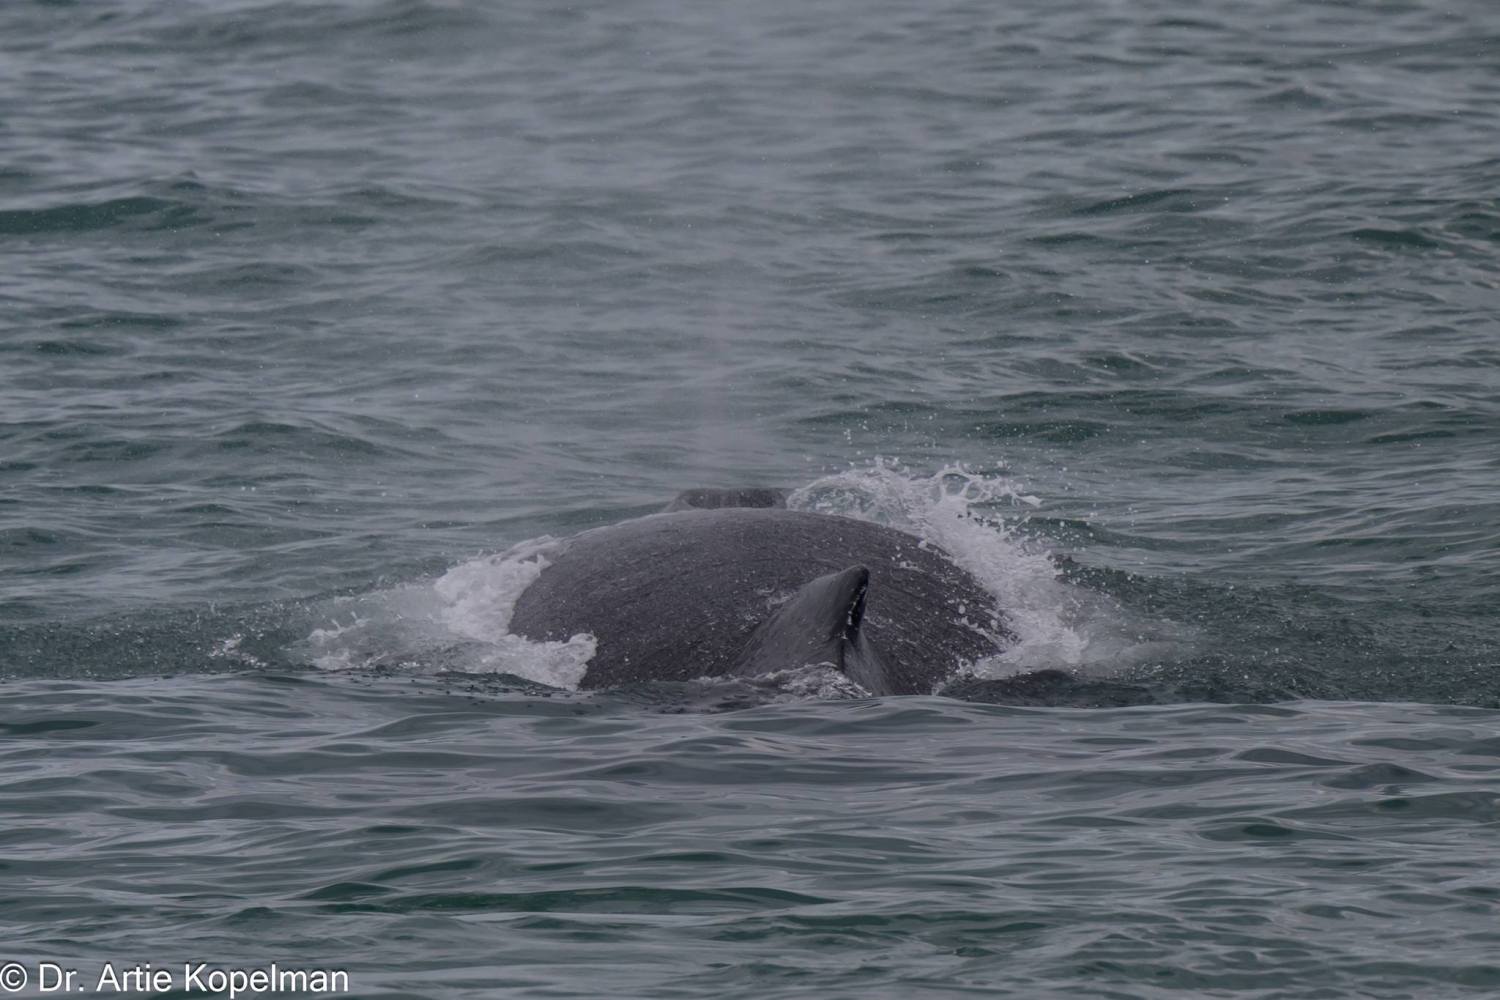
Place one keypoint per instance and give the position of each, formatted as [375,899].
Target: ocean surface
[1176,324]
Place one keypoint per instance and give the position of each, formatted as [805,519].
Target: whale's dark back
[676,596]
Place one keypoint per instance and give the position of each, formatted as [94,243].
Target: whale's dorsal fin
[821,623]
[714,499]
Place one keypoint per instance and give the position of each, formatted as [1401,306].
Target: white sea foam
[975,518]
[456,622]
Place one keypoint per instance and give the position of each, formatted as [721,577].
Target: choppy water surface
[1175,324]
[437,845]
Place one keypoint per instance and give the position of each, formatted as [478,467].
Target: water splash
[456,622]
[979,519]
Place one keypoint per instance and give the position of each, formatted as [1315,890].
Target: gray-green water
[309,310]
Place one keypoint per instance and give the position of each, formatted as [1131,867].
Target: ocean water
[1175,324]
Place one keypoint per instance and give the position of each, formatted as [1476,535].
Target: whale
[732,583]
